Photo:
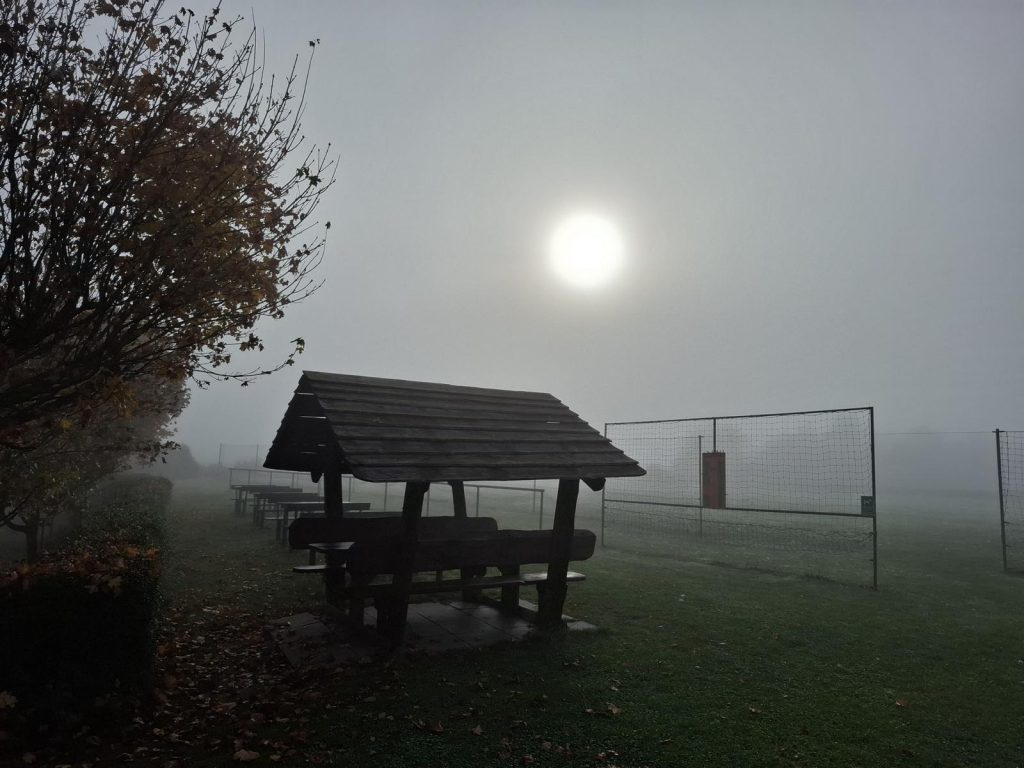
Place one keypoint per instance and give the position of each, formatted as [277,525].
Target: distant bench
[265,499]
[243,491]
[314,508]
[365,549]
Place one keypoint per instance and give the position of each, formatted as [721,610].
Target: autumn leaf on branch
[150,217]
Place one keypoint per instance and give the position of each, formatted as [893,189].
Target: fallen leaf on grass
[613,710]
[246,755]
[478,731]
[901,702]
[437,727]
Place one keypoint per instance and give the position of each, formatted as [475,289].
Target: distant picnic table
[243,491]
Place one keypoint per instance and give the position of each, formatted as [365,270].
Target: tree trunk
[32,539]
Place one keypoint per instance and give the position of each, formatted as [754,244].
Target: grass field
[695,664]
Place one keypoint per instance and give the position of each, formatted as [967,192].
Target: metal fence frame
[1004,491]
[714,445]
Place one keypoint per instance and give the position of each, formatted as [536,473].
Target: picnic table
[418,433]
[244,490]
[265,499]
[362,557]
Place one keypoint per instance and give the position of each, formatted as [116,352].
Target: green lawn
[694,665]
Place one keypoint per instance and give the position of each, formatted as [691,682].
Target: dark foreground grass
[694,665]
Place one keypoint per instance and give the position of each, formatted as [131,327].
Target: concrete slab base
[432,627]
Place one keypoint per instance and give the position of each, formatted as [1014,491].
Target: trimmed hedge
[82,622]
[129,509]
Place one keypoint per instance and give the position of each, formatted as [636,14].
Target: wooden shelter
[388,430]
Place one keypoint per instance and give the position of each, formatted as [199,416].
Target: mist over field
[773,252]
[819,207]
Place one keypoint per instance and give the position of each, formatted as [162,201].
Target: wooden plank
[554,442]
[459,497]
[332,495]
[512,457]
[394,615]
[552,597]
[437,432]
[495,473]
[335,409]
[304,404]
[493,399]
[306,530]
[499,548]
[453,420]
[313,379]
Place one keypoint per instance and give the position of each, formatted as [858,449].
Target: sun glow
[586,251]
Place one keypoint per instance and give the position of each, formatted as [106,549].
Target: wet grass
[693,664]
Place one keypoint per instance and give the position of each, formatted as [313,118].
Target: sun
[586,250]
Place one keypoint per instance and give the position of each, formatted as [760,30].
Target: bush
[79,624]
[83,621]
[129,509]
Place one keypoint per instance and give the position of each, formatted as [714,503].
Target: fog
[820,204]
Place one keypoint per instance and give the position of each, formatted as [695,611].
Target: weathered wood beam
[552,597]
[458,497]
[459,503]
[391,618]
[332,495]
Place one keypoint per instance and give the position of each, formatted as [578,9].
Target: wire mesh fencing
[787,492]
[1010,461]
[524,505]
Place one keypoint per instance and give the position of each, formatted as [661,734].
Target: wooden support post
[459,502]
[332,495]
[552,597]
[510,594]
[334,576]
[458,497]
[391,615]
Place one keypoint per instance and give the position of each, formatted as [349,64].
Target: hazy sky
[822,206]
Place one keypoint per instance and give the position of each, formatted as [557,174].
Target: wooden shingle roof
[405,431]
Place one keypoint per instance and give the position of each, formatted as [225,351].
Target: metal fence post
[874,501]
[1002,508]
[603,487]
[700,486]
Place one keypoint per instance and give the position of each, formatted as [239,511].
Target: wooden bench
[244,491]
[266,499]
[286,509]
[304,531]
[365,560]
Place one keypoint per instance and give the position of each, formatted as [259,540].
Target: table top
[331,546]
[347,506]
